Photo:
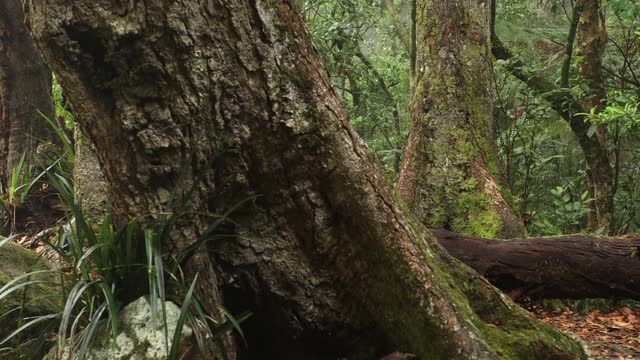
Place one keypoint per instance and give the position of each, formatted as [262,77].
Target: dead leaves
[614,335]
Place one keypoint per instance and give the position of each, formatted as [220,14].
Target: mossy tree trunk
[25,89]
[320,253]
[450,177]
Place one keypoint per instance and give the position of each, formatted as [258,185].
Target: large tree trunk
[321,252]
[591,42]
[25,89]
[450,177]
[572,266]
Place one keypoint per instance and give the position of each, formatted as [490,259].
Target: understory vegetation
[362,47]
[99,268]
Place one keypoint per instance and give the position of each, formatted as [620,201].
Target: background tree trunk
[450,176]
[591,42]
[599,171]
[25,89]
[230,97]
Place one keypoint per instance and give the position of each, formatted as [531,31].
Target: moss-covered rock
[37,299]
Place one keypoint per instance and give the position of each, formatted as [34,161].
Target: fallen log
[572,266]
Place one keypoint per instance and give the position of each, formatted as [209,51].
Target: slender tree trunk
[413,50]
[321,253]
[591,42]
[25,89]
[599,171]
[450,177]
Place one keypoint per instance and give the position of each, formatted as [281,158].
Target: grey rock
[137,339]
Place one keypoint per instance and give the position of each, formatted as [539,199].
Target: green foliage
[26,176]
[109,266]
[565,216]
[62,110]
[345,32]
[537,149]
[622,110]
[107,270]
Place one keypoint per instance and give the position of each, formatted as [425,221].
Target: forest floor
[610,335]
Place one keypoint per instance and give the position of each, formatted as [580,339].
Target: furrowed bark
[317,249]
[450,176]
[88,182]
[572,266]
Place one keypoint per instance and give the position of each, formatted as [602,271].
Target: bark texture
[88,181]
[573,266]
[230,96]
[450,177]
[25,88]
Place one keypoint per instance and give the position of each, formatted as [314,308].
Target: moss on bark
[450,176]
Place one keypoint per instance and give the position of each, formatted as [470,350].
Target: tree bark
[25,89]
[319,251]
[450,177]
[572,266]
[88,182]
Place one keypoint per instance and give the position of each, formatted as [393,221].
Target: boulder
[38,299]
[137,339]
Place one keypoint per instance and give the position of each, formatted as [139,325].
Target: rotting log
[571,266]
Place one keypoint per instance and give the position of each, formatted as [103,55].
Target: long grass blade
[29,324]
[113,308]
[90,330]
[177,334]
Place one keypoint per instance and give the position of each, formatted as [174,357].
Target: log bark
[572,266]
[231,96]
[450,176]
